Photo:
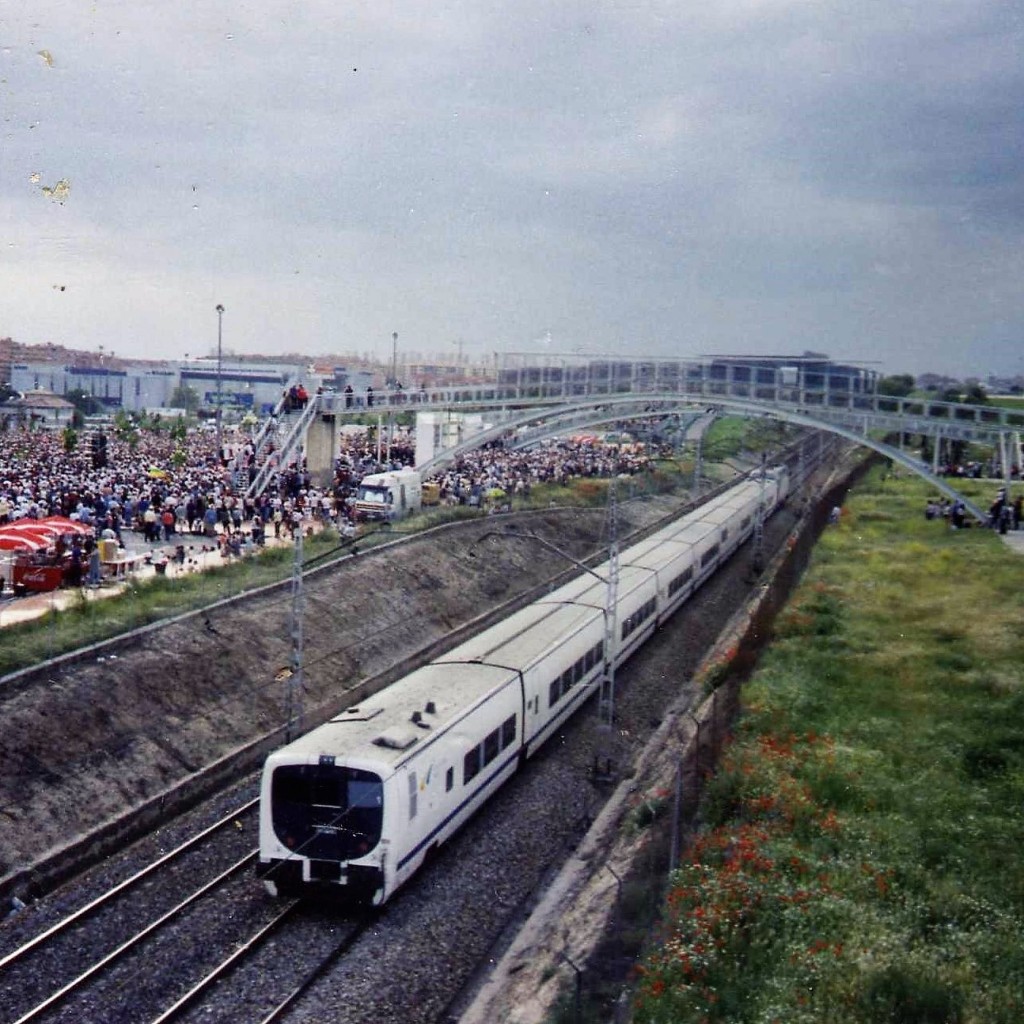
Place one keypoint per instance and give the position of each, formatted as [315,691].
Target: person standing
[94,576]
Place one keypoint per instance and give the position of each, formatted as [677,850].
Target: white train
[363,800]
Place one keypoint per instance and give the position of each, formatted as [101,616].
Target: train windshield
[326,811]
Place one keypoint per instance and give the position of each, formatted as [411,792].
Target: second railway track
[410,964]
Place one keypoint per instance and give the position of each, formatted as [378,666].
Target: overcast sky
[659,178]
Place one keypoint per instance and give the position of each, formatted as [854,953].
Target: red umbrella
[21,541]
[67,525]
[37,538]
[32,526]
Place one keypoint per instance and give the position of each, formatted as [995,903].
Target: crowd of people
[164,488]
[973,470]
[1003,514]
[158,488]
[498,470]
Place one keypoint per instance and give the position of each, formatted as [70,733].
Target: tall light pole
[394,394]
[218,414]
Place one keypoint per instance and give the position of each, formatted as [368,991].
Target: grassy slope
[862,854]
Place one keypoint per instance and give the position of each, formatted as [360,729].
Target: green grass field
[1008,401]
[861,854]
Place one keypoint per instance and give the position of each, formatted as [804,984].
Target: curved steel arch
[579,416]
[614,407]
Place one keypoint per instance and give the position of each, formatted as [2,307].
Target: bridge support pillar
[1009,449]
[321,445]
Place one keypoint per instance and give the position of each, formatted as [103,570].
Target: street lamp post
[394,393]
[218,414]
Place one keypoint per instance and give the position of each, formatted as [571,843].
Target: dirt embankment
[88,739]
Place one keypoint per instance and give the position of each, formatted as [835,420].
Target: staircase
[273,453]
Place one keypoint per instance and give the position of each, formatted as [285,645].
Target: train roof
[526,637]
[692,532]
[385,729]
[589,590]
[655,554]
[382,729]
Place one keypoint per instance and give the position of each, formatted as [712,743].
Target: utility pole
[605,757]
[394,395]
[759,515]
[219,413]
[293,704]
[607,703]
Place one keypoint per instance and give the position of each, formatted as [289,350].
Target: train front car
[322,822]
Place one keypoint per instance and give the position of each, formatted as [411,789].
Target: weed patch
[860,854]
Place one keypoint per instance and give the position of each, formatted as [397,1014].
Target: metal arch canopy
[623,407]
[849,413]
[575,417]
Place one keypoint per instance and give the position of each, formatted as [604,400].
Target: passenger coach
[363,800]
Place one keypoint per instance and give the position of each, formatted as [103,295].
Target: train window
[449,780]
[508,732]
[554,692]
[725,535]
[680,581]
[579,669]
[745,523]
[363,794]
[326,791]
[708,555]
[471,765]
[346,826]
[413,792]
[491,746]
[568,678]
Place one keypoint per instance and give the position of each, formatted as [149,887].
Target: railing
[297,425]
[823,401]
[621,387]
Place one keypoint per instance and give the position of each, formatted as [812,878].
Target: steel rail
[135,940]
[123,886]
[346,943]
[253,942]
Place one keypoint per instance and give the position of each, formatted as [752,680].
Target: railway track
[43,972]
[80,967]
[230,982]
[164,973]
